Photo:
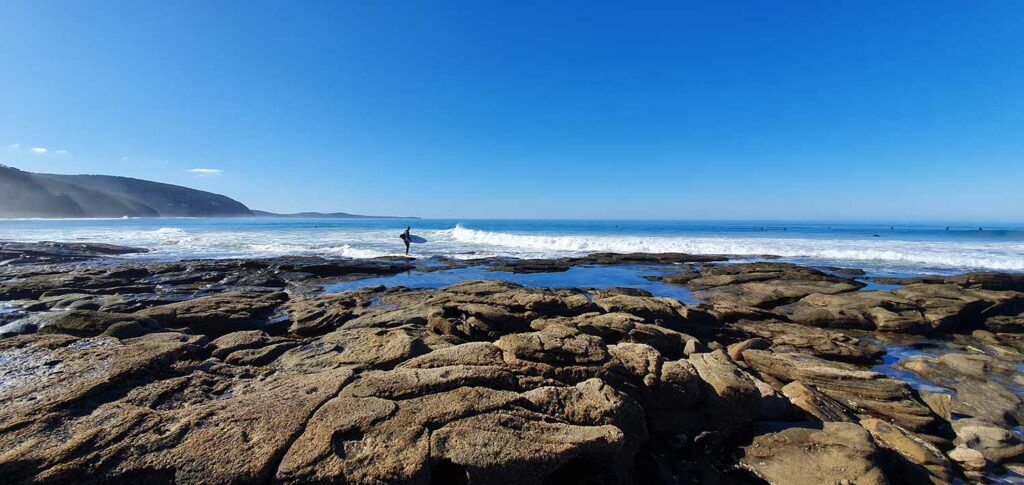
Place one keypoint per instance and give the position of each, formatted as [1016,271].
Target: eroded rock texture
[241,372]
[481,381]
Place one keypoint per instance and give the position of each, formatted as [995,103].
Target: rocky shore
[244,371]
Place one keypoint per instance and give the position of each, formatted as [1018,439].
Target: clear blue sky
[751,109]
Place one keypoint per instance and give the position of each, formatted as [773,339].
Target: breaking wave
[909,251]
[940,254]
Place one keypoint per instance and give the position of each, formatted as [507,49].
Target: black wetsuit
[405,239]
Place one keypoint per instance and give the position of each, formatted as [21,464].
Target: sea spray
[875,247]
[994,256]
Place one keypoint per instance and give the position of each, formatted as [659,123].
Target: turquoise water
[881,248]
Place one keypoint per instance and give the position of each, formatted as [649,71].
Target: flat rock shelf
[691,370]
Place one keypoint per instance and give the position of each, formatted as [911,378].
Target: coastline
[902,251]
[495,243]
[586,380]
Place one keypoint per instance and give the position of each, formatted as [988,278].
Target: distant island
[42,195]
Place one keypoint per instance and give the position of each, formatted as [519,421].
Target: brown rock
[86,323]
[730,397]
[977,395]
[1005,323]
[218,314]
[261,356]
[245,339]
[693,347]
[625,327]
[44,372]
[520,447]
[971,460]
[870,310]
[360,348]
[472,353]
[765,285]
[555,344]
[837,453]
[817,404]
[827,344]
[998,445]
[405,383]
[194,428]
[950,307]
[940,403]
[735,351]
[320,314]
[662,311]
[989,281]
[863,391]
[911,458]
[593,403]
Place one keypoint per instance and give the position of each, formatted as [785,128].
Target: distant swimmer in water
[405,238]
[947,228]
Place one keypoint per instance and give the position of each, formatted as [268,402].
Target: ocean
[879,248]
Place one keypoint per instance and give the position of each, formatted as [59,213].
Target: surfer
[405,238]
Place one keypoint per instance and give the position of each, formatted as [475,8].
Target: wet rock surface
[241,371]
[15,253]
[983,385]
[832,299]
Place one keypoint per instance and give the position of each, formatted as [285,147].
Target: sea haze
[879,248]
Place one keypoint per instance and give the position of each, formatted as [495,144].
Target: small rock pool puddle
[894,354]
[375,303]
[873,286]
[600,277]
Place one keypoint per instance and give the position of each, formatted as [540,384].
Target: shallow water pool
[625,276]
[873,286]
[896,353]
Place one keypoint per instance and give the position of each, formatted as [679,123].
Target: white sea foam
[947,254]
[234,239]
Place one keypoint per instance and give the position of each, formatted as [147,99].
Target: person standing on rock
[405,238]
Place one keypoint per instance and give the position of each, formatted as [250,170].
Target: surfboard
[413,238]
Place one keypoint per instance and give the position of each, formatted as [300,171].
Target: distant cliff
[27,194]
